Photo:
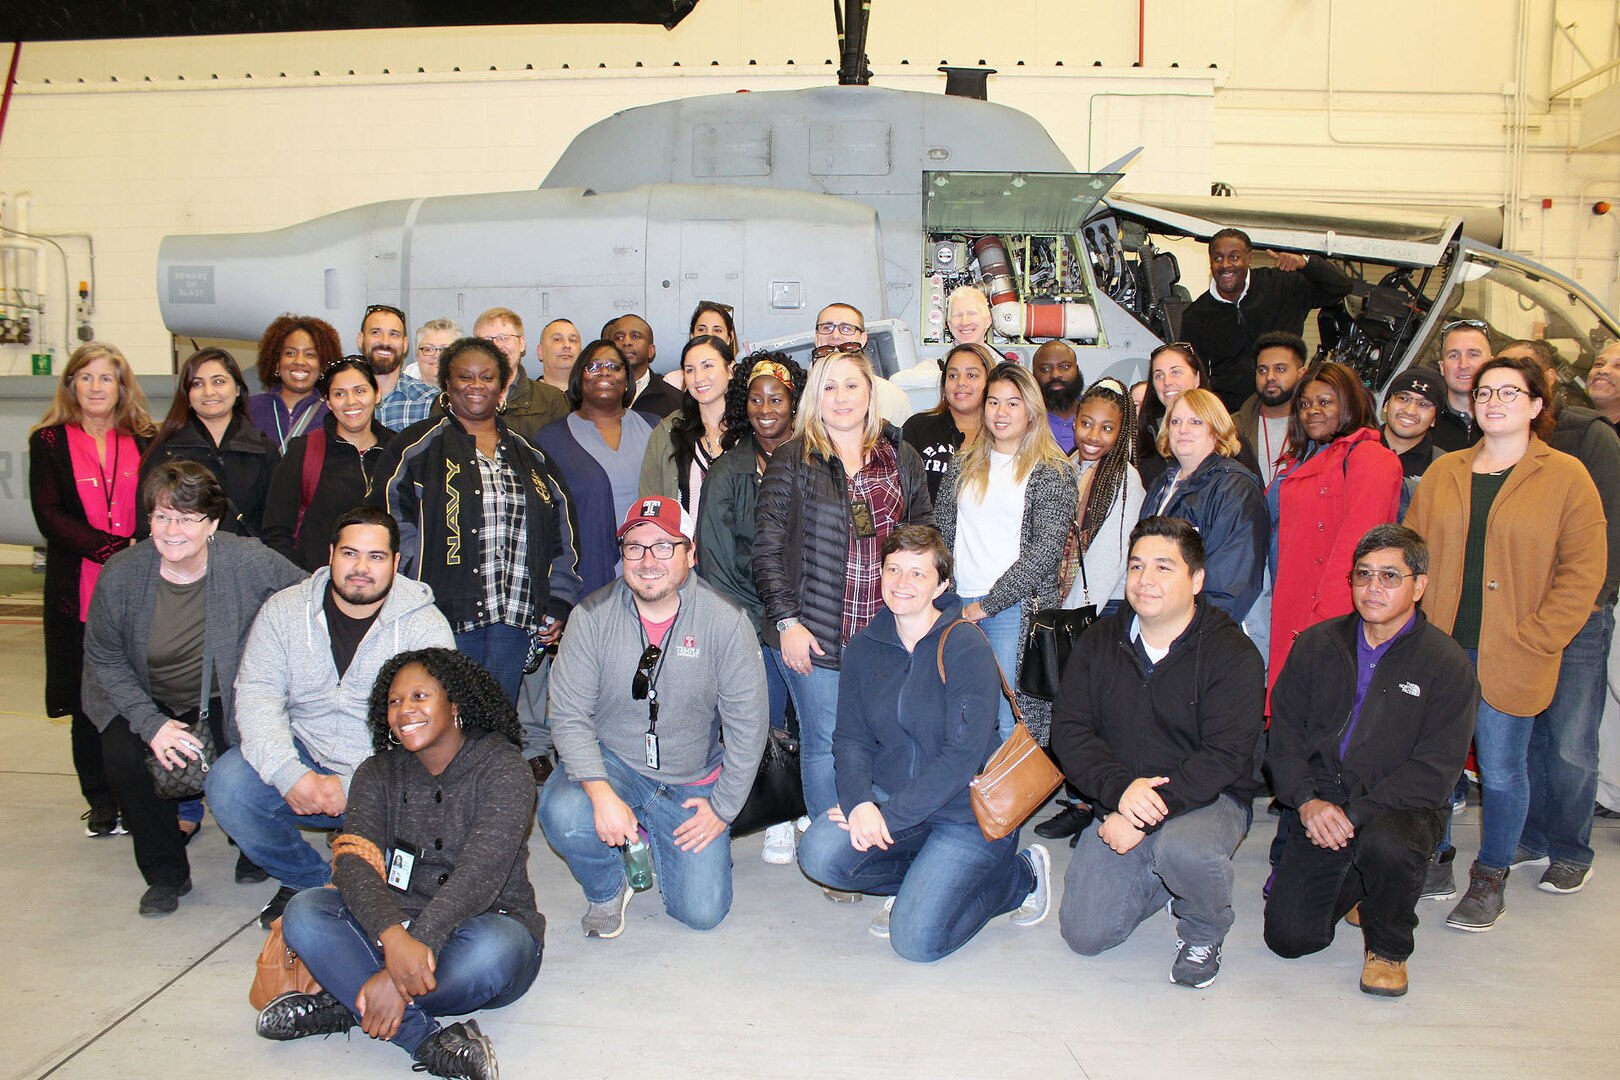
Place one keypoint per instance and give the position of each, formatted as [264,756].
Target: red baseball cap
[666,513]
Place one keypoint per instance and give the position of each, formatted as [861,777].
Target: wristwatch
[783,624]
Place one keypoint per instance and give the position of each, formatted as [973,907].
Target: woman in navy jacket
[916,723]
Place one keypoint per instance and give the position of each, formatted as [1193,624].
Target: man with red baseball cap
[654,670]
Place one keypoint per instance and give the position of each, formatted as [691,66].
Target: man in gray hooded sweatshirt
[302,694]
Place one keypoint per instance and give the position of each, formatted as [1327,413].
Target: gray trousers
[1187,861]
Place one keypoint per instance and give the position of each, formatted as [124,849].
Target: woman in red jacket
[1336,482]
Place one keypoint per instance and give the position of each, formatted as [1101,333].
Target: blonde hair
[498,314]
[970,293]
[809,425]
[129,414]
[1208,408]
[1035,447]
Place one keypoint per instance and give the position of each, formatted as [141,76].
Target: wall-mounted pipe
[11,81]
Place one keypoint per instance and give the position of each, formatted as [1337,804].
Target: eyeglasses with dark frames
[641,685]
[1507,395]
[839,327]
[662,550]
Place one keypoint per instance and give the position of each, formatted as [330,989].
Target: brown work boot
[1353,917]
[1383,978]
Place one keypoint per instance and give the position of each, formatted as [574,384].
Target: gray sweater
[711,684]
[469,826]
[242,574]
[288,685]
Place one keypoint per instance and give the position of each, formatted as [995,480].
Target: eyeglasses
[662,550]
[839,327]
[1507,395]
[1361,577]
[431,352]
[190,521]
[849,348]
[504,339]
[391,309]
[642,683]
[603,367]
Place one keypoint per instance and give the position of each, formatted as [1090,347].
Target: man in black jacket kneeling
[1155,722]
[1370,723]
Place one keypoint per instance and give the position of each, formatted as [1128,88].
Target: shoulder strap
[1006,691]
[310,475]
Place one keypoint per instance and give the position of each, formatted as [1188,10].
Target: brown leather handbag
[1017,779]
[279,971]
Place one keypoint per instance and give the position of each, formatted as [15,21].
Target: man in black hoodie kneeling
[1370,723]
[1156,722]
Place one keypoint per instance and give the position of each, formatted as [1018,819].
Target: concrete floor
[788,986]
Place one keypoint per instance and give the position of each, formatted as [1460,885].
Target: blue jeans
[948,881]
[1563,758]
[257,817]
[501,649]
[815,700]
[696,885]
[489,961]
[1502,748]
[776,685]
[1187,860]
[1008,645]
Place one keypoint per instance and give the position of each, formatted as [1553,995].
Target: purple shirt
[269,413]
[1062,431]
[1367,657]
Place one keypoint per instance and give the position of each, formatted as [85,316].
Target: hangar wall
[1383,101]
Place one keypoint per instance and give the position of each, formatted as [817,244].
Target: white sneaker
[1039,900]
[780,844]
[803,824]
[879,926]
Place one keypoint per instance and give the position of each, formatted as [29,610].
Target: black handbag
[1052,634]
[186,781]
[778,793]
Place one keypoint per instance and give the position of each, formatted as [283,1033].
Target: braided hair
[478,698]
[1108,486]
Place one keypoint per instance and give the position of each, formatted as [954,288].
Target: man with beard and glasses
[402,399]
[1058,373]
[1279,360]
[302,692]
[659,715]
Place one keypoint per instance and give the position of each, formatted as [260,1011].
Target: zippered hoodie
[1408,745]
[287,685]
[712,707]
[903,730]
[1195,718]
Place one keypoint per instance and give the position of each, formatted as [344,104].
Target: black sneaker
[460,1052]
[163,899]
[297,1016]
[278,903]
[249,872]
[1071,821]
[1195,965]
[102,821]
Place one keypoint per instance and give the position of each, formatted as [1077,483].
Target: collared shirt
[409,401]
[1367,658]
[1247,277]
[503,548]
[878,486]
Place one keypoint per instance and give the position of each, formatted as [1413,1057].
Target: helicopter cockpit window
[1518,303]
[1016,237]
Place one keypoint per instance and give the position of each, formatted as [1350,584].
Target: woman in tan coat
[1519,555]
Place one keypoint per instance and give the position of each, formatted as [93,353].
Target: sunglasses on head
[846,347]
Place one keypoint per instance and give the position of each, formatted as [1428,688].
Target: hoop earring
[444,400]
[459,726]
[393,739]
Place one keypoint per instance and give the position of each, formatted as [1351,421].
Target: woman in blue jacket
[1207,487]
[916,723]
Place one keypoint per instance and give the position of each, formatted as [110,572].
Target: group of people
[460,583]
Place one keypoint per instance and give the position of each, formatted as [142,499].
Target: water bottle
[638,865]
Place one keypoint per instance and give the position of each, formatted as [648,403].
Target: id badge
[401,863]
[652,750]
[860,512]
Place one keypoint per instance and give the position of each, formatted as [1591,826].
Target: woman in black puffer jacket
[831,496]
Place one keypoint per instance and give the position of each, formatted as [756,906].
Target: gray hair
[1413,548]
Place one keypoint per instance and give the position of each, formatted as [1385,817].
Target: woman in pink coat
[1337,481]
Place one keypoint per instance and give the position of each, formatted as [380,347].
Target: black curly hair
[737,395]
[478,698]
